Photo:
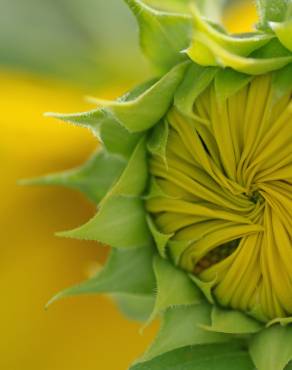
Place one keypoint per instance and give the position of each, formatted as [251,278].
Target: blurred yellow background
[81,333]
[74,334]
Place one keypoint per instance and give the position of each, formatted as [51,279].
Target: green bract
[193,185]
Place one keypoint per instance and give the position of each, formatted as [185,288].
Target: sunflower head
[193,184]
[225,183]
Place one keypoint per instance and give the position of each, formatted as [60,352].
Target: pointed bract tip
[62,116]
[25,182]
[54,299]
[63,234]
[72,234]
[32,181]
[52,114]
[91,99]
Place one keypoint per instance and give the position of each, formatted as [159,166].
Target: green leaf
[174,288]
[126,271]
[180,328]
[229,356]
[135,307]
[136,115]
[196,80]
[163,35]
[228,82]
[271,11]
[271,349]
[232,322]
[94,178]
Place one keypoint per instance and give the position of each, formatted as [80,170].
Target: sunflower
[193,185]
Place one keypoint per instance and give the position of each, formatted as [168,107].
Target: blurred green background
[86,41]
[52,53]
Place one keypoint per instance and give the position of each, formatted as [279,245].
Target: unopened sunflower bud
[226,180]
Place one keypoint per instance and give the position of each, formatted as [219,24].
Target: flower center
[225,196]
[256,197]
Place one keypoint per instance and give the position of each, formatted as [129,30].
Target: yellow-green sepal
[174,288]
[207,40]
[213,10]
[161,240]
[283,321]
[181,327]
[91,119]
[255,64]
[241,44]
[196,80]
[220,356]
[94,178]
[205,286]
[283,30]
[136,113]
[228,82]
[123,200]
[133,179]
[146,110]
[271,349]
[272,11]
[130,229]
[126,272]
[157,141]
[232,322]
[115,138]
[254,53]
[154,190]
[176,249]
[163,35]
[173,6]
[136,307]
[282,82]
